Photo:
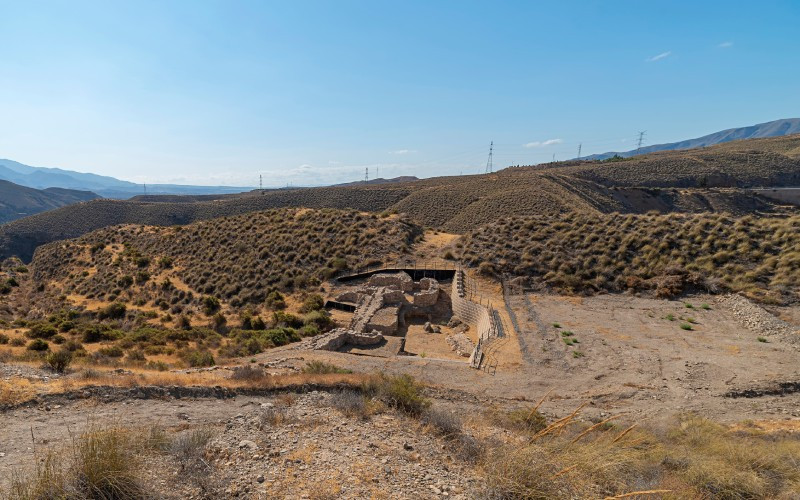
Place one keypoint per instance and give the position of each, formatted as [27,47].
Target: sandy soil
[632,359]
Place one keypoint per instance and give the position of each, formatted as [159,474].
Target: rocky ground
[279,446]
[734,362]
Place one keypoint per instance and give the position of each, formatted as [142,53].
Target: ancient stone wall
[335,339]
[384,320]
[400,280]
[482,317]
[428,293]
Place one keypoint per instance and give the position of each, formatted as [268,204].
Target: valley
[417,339]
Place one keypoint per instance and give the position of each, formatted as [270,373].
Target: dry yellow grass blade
[535,408]
[623,433]
[563,471]
[559,423]
[637,493]
[595,426]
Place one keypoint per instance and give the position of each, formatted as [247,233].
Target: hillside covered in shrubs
[239,260]
[665,254]
[704,180]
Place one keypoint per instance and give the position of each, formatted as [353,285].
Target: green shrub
[125,281]
[285,319]
[59,360]
[313,302]
[275,300]
[96,333]
[42,331]
[111,351]
[210,305]
[4,339]
[398,391]
[321,319]
[116,310]
[198,358]
[38,345]
[320,367]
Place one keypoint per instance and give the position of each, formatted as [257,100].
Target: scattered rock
[246,443]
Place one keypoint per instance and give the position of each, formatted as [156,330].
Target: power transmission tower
[641,140]
[144,185]
[579,151]
[366,175]
[554,157]
[260,183]
[489,166]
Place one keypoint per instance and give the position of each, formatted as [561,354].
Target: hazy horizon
[217,93]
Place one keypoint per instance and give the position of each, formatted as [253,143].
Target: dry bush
[444,423]
[401,392]
[350,403]
[100,464]
[694,458]
[250,373]
[321,367]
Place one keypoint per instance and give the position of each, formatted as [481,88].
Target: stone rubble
[757,319]
[316,449]
[461,344]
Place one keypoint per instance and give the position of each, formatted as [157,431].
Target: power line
[641,140]
[489,166]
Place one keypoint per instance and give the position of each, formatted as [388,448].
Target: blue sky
[313,93]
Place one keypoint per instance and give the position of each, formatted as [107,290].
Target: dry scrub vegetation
[157,297]
[669,254]
[460,204]
[517,453]
[239,260]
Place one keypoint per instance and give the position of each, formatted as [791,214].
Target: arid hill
[703,180]
[668,254]
[238,260]
[19,201]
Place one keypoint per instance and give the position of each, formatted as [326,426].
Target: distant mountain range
[775,128]
[108,187]
[20,201]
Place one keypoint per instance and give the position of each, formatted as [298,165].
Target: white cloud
[725,45]
[659,57]
[541,144]
[402,152]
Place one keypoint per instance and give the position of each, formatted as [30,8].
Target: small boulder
[428,327]
[454,322]
[246,443]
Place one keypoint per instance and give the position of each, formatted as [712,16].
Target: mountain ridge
[18,201]
[775,128]
[110,187]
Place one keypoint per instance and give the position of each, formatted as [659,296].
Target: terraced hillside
[665,254]
[237,260]
[703,180]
